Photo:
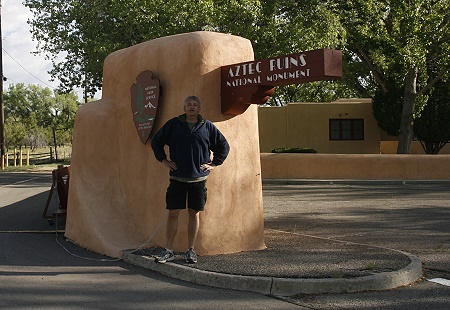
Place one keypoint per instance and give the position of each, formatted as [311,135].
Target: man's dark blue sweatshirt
[189,149]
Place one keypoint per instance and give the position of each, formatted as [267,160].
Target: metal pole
[2,110]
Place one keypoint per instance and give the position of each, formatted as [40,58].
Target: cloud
[20,65]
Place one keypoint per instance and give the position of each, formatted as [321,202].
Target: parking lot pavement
[408,216]
[413,217]
[37,273]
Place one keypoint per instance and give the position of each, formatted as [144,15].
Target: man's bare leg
[193,226]
[172,228]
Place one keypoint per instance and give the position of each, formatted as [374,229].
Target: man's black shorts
[195,192]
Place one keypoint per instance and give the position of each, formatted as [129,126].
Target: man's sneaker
[165,256]
[191,257]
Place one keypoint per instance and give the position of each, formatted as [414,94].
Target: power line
[27,70]
[2,108]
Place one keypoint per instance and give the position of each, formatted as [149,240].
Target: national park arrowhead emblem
[144,103]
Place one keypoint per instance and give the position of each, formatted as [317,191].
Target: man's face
[192,108]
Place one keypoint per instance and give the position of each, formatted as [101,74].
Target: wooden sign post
[254,82]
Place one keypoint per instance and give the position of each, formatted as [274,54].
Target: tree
[398,41]
[54,113]
[432,127]
[388,45]
[387,109]
[61,118]
[15,133]
[17,115]
[16,104]
[32,112]
[86,31]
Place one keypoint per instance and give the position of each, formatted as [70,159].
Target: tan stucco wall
[355,166]
[307,125]
[117,189]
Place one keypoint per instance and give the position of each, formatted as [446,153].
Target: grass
[294,150]
[372,266]
[40,159]
[441,248]
[336,274]
[61,149]
[33,168]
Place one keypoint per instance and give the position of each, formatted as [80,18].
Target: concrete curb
[376,282]
[214,279]
[285,286]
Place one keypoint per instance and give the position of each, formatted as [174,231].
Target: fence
[19,158]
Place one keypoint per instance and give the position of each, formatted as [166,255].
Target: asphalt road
[411,216]
[37,273]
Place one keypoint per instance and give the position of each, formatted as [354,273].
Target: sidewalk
[293,264]
[296,263]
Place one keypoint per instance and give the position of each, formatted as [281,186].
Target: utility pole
[2,110]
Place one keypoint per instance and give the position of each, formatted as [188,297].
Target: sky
[19,64]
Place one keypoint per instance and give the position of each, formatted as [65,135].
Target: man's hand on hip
[207,167]
[169,164]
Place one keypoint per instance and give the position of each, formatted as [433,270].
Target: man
[191,139]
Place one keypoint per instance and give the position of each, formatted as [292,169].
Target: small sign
[144,103]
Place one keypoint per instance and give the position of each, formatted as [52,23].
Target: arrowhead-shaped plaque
[144,103]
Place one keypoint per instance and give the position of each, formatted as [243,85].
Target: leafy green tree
[387,109]
[17,112]
[61,118]
[16,104]
[432,127]
[86,31]
[54,113]
[388,45]
[15,133]
[398,41]
[33,112]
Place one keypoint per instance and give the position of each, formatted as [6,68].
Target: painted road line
[440,281]
[20,182]
[31,231]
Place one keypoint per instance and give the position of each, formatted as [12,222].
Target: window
[346,129]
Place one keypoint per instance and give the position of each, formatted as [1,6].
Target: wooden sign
[144,103]
[254,82]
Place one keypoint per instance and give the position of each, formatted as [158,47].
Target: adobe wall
[307,125]
[355,166]
[117,188]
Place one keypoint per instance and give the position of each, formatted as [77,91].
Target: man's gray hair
[192,98]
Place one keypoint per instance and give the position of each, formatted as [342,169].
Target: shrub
[294,150]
